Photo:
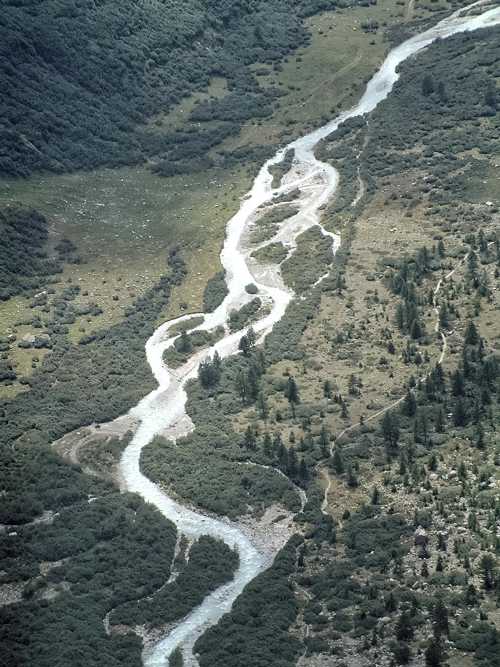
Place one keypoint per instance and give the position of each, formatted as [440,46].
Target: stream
[163,410]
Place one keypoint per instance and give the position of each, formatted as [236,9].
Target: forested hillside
[79,78]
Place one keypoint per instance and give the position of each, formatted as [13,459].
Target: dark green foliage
[178,353]
[80,78]
[338,585]
[211,563]
[311,259]
[284,340]
[215,292]
[240,318]
[374,540]
[95,381]
[434,653]
[176,659]
[444,120]
[401,652]
[279,169]
[209,371]
[117,549]
[255,632]
[483,640]
[34,479]
[24,264]
[207,469]
[292,394]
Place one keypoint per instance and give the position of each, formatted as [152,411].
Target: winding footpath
[163,410]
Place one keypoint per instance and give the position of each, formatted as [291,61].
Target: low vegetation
[398,452]
[208,565]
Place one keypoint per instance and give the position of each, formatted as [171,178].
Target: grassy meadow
[123,220]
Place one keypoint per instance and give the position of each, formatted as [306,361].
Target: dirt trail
[324,470]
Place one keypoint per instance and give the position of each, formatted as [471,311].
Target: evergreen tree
[402,463]
[479,437]
[440,420]
[440,619]
[471,595]
[267,445]
[471,334]
[327,389]
[249,440]
[209,373]
[262,405]
[457,383]
[283,457]
[244,345]
[404,627]
[390,603]
[251,337]
[416,330]
[409,406]
[444,316]
[421,427]
[352,480]
[184,345]
[303,471]
[241,385]
[459,412]
[293,463]
[490,96]
[324,441]
[400,316]
[488,571]
[253,382]
[292,394]
[433,653]
[390,431]
[337,461]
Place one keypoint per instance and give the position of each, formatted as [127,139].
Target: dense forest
[23,257]
[79,79]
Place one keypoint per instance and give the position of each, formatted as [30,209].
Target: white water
[163,411]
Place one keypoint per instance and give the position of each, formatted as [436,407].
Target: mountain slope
[79,77]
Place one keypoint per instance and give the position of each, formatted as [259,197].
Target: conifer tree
[324,441]
[337,461]
[404,627]
[440,622]
[433,653]
[352,480]
[262,405]
[292,394]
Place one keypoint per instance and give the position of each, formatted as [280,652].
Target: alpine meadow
[249,333]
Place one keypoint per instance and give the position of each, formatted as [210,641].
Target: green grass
[124,220]
[329,74]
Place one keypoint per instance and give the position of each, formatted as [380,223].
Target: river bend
[163,410]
